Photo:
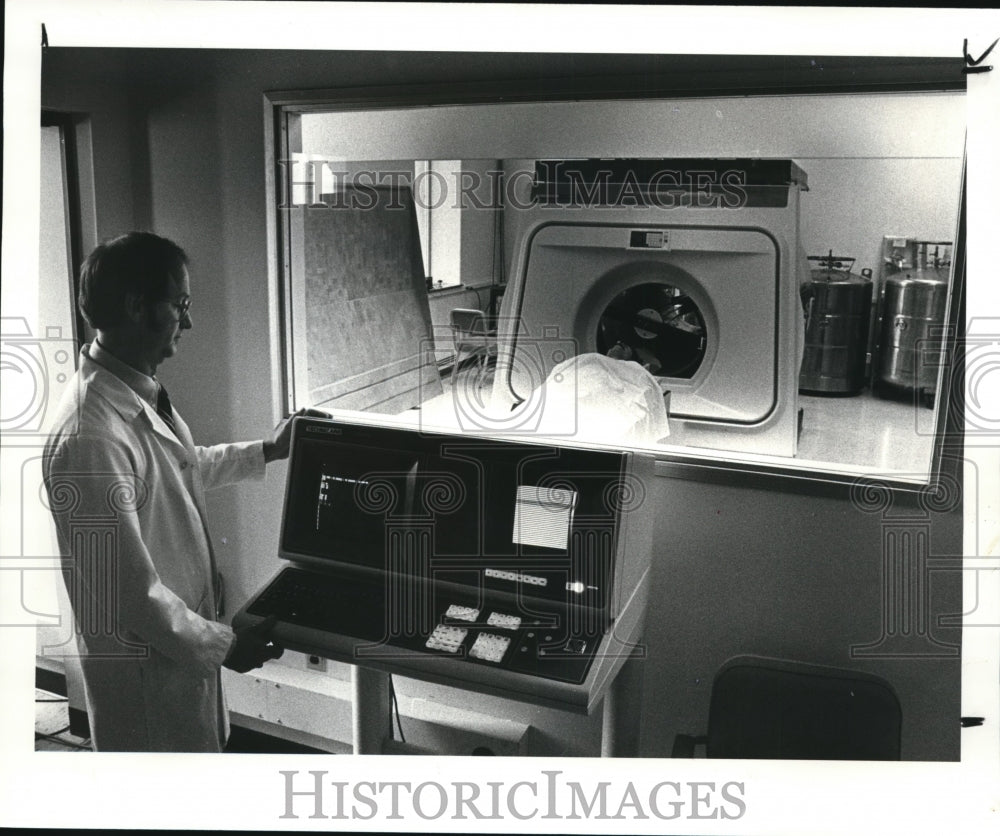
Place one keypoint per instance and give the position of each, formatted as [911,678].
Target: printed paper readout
[543,516]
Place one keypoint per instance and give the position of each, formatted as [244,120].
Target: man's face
[167,319]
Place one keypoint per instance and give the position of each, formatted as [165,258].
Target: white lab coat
[128,501]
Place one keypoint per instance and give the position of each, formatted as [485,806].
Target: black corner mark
[975,65]
[45,37]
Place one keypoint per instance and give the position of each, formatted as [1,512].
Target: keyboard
[324,602]
[412,614]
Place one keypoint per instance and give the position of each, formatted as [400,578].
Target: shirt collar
[143,385]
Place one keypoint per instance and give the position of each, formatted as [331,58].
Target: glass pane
[763,280]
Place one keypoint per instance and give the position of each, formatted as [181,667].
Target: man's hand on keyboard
[253,646]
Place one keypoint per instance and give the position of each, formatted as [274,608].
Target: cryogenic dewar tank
[837,305]
[913,303]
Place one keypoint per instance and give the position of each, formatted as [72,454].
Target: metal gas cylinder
[913,315]
[913,307]
[837,307]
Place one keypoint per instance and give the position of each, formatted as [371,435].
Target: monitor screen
[341,494]
[528,519]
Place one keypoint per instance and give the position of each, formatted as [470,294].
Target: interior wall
[79,91]
[772,571]
[853,203]
[878,164]
[475,194]
[849,125]
[178,146]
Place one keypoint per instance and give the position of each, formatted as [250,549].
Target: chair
[473,337]
[775,709]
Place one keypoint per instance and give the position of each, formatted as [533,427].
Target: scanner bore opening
[657,325]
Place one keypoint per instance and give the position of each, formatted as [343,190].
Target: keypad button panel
[489,647]
[447,638]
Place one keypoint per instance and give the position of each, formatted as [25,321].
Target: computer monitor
[508,567]
[530,520]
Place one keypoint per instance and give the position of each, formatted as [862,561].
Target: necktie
[165,410]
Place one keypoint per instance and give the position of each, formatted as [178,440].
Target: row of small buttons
[462,613]
[534,580]
[507,622]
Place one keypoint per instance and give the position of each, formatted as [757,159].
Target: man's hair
[137,262]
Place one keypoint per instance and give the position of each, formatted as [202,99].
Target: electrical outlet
[316,663]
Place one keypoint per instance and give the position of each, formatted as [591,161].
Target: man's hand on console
[277,446]
[253,647]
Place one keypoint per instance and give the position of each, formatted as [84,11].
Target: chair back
[468,320]
[469,328]
[771,708]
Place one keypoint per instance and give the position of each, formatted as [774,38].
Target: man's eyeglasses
[182,307]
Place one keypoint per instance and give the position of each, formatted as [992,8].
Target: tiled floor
[52,725]
[886,435]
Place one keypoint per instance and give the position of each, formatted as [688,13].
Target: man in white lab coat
[126,488]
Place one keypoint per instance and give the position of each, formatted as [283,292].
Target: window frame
[904,75]
[75,140]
